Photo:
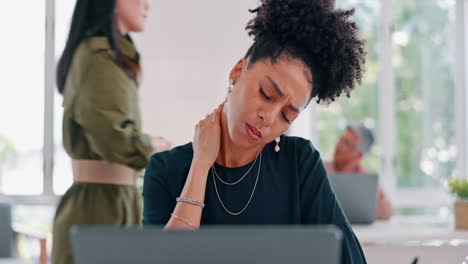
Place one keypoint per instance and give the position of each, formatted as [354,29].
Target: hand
[207,139]
[160,144]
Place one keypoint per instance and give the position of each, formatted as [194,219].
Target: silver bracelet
[185,221]
[190,201]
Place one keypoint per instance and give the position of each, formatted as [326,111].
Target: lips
[253,132]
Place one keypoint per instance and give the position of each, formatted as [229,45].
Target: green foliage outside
[423,58]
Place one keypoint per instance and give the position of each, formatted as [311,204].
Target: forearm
[206,145]
[194,189]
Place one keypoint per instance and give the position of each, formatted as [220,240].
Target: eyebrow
[275,85]
[295,109]
[280,92]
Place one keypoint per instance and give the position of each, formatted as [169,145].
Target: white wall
[187,51]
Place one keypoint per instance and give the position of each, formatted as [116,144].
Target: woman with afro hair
[240,165]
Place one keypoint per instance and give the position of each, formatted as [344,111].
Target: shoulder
[175,156]
[300,146]
[95,51]
[97,72]
[306,157]
[94,45]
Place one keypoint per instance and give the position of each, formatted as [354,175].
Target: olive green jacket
[101,118]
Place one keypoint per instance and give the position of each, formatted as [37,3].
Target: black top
[293,188]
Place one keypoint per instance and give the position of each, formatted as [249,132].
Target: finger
[213,116]
[216,114]
[221,107]
[210,115]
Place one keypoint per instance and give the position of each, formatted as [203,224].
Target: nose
[267,117]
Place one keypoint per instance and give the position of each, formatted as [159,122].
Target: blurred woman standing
[98,77]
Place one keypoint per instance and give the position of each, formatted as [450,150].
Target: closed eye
[285,118]
[264,94]
[269,98]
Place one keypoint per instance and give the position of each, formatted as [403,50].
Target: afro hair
[317,34]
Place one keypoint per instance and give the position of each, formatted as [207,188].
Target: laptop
[357,194]
[210,245]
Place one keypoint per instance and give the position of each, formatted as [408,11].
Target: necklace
[251,195]
[236,182]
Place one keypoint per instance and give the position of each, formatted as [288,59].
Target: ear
[237,70]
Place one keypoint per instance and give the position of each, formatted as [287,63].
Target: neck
[346,166]
[230,154]
[122,28]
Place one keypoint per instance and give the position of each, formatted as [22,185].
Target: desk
[11,261]
[402,239]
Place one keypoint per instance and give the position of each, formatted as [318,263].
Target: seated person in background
[353,145]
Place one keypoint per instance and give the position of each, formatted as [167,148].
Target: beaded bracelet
[190,201]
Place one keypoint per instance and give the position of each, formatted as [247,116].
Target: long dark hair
[93,18]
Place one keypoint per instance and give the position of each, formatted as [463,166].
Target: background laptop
[357,194]
[226,245]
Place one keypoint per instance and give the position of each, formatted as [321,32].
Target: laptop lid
[227,245]
[357,194]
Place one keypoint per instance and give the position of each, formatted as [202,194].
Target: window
[22,134]
[423,60]
[408,99]
[363,104]
[22,100]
